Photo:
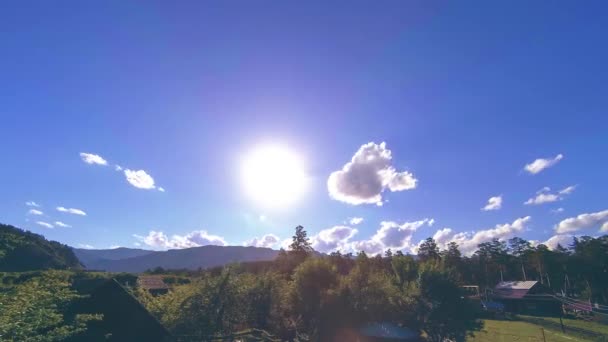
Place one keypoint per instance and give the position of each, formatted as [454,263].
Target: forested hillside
[24,251]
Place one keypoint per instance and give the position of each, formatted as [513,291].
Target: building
[153,284]
[526,297]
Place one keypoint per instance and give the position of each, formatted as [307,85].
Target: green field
[494,330]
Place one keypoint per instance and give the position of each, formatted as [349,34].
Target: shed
[530,297]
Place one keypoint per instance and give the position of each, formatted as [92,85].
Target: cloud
[161,189]
[390,235]
[71,211]
[115,246]
[85,246]
[558,210]
[136,244]
[117,167]
[540,164]
[61,224]
[545,196]
[196,238]
[494,203]
[35,212]
[139,179]
[44,224]
[268,241]
[356,220]
[367,175]
[32,204]
[563,240]
[468,241]
[581,221]
[90,158]
[604,228]
[332,239]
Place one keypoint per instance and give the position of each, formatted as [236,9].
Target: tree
[301,243]
[428,250]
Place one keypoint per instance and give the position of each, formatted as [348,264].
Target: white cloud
[35,212]
[85,246]
[558,210]
[540,164]
[115,246]
[604,228]
[61,224]
[136,244]
[564,240]
[90,158]
[263,218]
[390,235]
[494,203]
[139,179]
[71,211]
[268,241]
[581,221]
[161,189]
[44,224]
[545,196]
[32,204]
[468,241]
[332,239]
[367,175]
[117,167]
[356,220]
[196,238]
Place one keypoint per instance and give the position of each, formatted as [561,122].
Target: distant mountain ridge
[21,250]
[139,260]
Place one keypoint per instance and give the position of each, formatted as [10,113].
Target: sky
[374,125]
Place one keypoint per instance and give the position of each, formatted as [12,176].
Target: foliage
[36,310]
[23,251]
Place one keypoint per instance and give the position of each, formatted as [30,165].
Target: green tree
[428,250]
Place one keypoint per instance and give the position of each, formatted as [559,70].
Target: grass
[503,331]
[577,323]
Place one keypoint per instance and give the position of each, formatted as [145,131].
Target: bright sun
[273,176]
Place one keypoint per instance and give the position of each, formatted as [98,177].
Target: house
[529,297]
[153,284]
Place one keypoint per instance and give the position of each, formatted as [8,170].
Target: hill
[90,257]
[25,251]
[189,258]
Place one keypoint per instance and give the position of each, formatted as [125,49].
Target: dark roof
[152,283]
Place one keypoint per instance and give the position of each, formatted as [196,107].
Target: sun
[273,176]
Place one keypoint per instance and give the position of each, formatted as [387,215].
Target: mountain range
[140,260]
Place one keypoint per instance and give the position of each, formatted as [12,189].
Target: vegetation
[24,251]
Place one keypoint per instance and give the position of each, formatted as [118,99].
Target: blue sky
[464,95]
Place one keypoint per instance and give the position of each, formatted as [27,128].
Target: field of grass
[503,331]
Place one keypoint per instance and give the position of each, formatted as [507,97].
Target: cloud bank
[197,238]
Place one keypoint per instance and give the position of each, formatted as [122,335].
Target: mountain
[92,256]
[188,258]
[25,251]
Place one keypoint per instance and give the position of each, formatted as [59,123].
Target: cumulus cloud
[61,224]
[44,224]
[604,228]
[544,195]
[367,175]
[390,235]
[268,241]
[196,238]
[468,241]
[356,220]
[542,163]
[563,240]
[332,239]
[494,203]
[91,158]
[35,212]
[71,211]
[139,179]
[581,221]
[32,204]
